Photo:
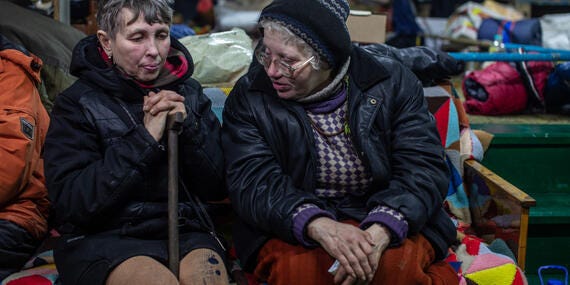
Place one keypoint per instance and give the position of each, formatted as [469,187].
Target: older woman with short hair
[105,159]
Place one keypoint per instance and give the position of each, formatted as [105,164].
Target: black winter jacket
[271,155]
[105,171]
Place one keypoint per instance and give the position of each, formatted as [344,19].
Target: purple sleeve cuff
[303,215]
[391,219]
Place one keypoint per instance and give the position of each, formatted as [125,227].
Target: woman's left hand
[381,237]
[346,243]
[157,106]
[162,101]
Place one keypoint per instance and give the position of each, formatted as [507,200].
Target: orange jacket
[23,126]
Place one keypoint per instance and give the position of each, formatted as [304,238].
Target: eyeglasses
[284,68]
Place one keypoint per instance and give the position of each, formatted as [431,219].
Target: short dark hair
[154,11]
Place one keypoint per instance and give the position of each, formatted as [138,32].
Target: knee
[141,270]
[203,266]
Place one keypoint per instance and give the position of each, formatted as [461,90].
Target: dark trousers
[16,247]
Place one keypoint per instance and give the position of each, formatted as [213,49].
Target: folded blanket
[40,270]
[477,264]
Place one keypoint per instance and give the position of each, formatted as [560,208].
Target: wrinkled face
[304,81]
[139,49]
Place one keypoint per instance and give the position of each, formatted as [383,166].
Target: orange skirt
[280,263]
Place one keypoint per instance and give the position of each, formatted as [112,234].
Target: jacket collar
[18,55]
[364,70]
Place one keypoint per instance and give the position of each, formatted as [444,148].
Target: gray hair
[289,38]
[153,11]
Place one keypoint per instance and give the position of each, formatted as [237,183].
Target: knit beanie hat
[320,23]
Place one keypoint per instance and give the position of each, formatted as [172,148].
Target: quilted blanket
[40,270]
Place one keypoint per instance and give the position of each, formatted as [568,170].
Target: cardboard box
[365,27]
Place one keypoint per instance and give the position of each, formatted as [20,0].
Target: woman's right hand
[346,243]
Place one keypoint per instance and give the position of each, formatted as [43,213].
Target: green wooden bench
[534,157]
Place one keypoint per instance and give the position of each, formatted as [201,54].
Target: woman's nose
[152,48]
[272,70]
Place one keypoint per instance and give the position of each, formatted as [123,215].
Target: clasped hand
[358,251]
[157,107]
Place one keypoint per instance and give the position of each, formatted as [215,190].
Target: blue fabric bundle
[557,90]
[527,31]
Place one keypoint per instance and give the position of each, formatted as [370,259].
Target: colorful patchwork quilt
[40,270]
[475,262]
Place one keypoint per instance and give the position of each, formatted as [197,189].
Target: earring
[109,56]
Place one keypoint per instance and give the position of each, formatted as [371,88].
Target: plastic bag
[555,32]
[220,59]
[467,18]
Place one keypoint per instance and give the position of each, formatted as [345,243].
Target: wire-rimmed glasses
[284,68]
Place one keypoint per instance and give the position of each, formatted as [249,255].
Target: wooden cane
[173,126]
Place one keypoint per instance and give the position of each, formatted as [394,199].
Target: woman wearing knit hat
[334,164]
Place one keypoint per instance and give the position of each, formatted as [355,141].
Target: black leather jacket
[105,171]
[271,156]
